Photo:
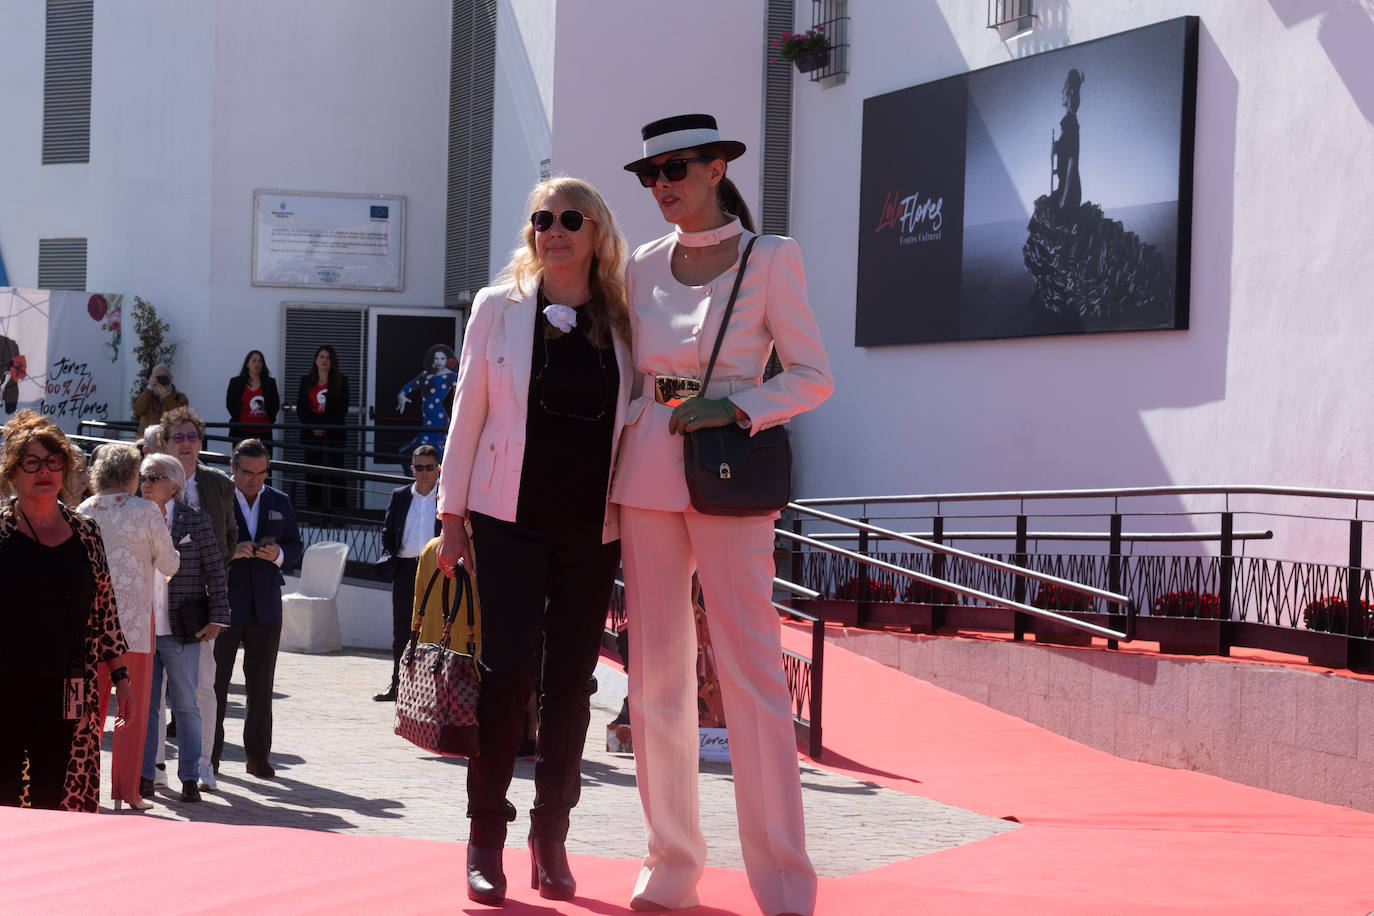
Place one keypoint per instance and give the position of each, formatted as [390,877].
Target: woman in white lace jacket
[139,550]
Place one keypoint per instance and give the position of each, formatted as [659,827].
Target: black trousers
[402,609]
[260,642]
[528,585]
[32,727]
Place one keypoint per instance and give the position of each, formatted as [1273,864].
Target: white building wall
[522,129]
[143,200]
[624,63]
[338,96]
[1269,384]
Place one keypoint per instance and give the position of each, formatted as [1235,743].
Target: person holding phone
[158,396]
[269,541]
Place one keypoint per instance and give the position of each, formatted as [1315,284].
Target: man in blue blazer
[411,522]
[268,542]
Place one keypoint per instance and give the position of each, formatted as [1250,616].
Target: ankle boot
[486,880]
[549,871]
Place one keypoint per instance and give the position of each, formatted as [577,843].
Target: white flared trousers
[734,556]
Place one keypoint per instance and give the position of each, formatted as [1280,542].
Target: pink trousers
[659,551]
[133,734]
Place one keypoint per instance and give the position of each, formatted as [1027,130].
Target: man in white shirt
[412,520]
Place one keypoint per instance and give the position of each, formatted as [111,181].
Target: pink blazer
[674,330]
[485,450]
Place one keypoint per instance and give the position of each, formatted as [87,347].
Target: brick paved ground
[341,769]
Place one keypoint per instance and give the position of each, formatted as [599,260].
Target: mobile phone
[267,541]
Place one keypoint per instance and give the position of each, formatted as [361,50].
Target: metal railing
[1321,607]
[1015,603]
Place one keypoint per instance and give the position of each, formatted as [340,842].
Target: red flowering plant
[1188,604]
[791,45]
[924,593]
[864,588]
[1053,597]
[1329,615]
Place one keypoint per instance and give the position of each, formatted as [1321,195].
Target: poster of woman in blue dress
[434,388]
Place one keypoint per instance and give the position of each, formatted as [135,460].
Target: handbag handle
[450,609]
[725,319]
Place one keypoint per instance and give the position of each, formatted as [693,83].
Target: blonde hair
[29,426]
[608,308]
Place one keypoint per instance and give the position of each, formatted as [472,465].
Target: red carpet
[1100,835]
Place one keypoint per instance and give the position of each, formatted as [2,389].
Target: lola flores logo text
[914,218]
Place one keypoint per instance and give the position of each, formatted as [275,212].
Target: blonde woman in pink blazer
[543,384]
[678,286]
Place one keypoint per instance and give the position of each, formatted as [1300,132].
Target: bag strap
[465,590]
[729,307]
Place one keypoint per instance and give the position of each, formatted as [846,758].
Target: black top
[47,607]
[567,464]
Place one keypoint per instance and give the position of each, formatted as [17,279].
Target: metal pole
[817,676]
[1353,606]
[1228,565]
[1114,564]
[1018,589]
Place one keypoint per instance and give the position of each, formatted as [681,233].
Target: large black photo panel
[1067,195]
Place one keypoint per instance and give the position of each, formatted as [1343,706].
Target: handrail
[1066,536]
[1105,492]
[1125,601]
[1125,635]
[795,589]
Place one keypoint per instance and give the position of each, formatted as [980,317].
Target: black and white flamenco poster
[1046,195]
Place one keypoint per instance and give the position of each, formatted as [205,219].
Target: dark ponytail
[732,202]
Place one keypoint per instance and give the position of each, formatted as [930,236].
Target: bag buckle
[724,471]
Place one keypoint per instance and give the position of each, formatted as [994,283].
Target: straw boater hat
[684,132]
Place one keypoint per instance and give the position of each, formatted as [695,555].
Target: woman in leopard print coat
[58,591]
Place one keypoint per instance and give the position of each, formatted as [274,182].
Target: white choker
[707,237]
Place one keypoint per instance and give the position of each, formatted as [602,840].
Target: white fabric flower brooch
[561,318]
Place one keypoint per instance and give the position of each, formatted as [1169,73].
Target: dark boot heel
[549,871]
[486,881]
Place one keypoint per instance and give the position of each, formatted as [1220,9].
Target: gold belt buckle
[673,390]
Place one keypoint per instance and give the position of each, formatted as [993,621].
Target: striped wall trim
[472,88]
[67,81]
[776,161]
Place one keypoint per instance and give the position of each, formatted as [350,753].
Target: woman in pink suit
[678,287]
[543,383]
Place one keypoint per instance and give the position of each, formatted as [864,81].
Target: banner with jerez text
[59,354]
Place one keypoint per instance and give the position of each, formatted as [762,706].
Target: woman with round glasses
[192,609]
[60,625]
[543,381]
[137,547]
[678,287]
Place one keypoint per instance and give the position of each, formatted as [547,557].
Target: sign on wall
[339,241]
[59,354]
[1047,195]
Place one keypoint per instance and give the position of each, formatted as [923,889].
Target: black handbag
[195,616]
[730,472]
[436,697]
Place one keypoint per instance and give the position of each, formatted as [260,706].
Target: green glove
[702,413]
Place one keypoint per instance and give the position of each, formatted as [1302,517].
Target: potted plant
[1329,615]
[1188,604]
[809,50]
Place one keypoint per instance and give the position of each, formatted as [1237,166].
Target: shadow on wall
[1346,33]
[1051,30]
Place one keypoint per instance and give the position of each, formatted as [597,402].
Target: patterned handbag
[436,699]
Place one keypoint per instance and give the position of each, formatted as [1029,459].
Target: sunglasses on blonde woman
[542,220]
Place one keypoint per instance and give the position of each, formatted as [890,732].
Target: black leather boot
[486,880]
[549,871]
